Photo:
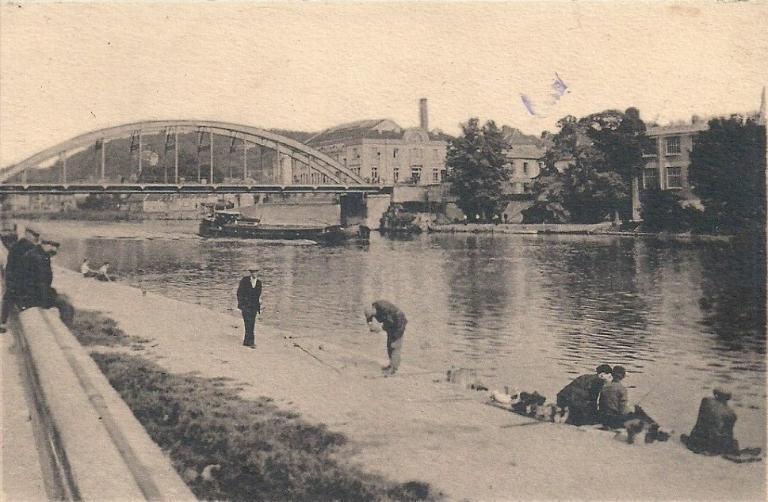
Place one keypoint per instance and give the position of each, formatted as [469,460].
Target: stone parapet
[106,453]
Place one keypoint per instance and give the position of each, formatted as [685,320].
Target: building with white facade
[382,152]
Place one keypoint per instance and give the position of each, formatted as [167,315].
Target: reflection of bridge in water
[181,156]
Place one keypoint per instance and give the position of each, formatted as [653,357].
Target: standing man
[249,302]
[14,272]
[393,321]
[612,406]
[713,432]
[580,396]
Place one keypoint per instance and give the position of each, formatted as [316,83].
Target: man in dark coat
[580,396]
[249,302]
[612,410]
[393,321]
[713,432]
[34,285]
[14,272]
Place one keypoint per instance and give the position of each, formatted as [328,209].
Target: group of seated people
[601,398]
[102,274]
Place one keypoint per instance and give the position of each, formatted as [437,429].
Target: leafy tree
[728,173]
[663,210]
[619,138]
[476,165]
[601,152]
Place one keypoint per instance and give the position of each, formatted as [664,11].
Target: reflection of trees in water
[594,286]
[479,274]
[734,293]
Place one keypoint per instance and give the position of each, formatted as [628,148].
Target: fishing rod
[334,368]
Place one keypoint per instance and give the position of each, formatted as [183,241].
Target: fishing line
[334,368]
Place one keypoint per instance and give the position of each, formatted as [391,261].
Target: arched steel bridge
[295,167]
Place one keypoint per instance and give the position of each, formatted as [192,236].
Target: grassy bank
[92,328]
[229,448]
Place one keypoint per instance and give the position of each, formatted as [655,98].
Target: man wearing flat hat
[14,272]
[713,432]
[249,302]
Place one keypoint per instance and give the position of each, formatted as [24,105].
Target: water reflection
[732,287]
[602,312]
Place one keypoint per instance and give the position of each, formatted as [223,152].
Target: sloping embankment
[411,426]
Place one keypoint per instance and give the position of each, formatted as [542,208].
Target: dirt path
[411,427]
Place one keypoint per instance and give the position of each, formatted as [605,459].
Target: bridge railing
[161,188]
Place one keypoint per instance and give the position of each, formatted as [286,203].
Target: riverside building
[384,153]
[667,161]
[525,160]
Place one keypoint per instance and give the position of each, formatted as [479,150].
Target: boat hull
[328,234]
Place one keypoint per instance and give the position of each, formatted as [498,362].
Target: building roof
[515,136]
[368,129]
[376,128]
[526,152]
[677,129]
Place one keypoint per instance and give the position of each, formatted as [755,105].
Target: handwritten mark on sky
[539,108]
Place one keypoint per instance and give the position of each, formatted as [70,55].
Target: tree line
[589,169]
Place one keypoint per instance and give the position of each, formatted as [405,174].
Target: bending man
[393,322]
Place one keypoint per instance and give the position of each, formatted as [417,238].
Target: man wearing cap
[580,396]
[14,272]
[612,407]
[713,432]
[249,302]
[34,285]
[393,322]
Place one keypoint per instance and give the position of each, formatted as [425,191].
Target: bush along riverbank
[229,448]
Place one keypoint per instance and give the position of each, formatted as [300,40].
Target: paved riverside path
[21,475]
[21,472]
[410,427]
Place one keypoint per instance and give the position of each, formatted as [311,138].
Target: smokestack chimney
[423,118]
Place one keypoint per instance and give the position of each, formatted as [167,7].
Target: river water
[527,311]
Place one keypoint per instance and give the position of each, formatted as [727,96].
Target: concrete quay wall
[521,228]
[107,454]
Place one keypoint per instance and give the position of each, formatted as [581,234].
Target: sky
[70,68]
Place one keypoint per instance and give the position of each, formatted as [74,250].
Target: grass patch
[93,328]
[230,448]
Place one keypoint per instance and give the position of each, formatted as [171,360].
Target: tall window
[375,173]
[525,168]
[650,179]
[395,152]
[674,177]
[435,175]
[415,175]
[673,145]
[396,174]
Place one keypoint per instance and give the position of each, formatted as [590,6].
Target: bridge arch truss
[289,153]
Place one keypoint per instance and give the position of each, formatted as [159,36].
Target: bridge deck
[157,188]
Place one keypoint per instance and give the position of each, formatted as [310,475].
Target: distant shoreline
[606,228]
[564,229]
